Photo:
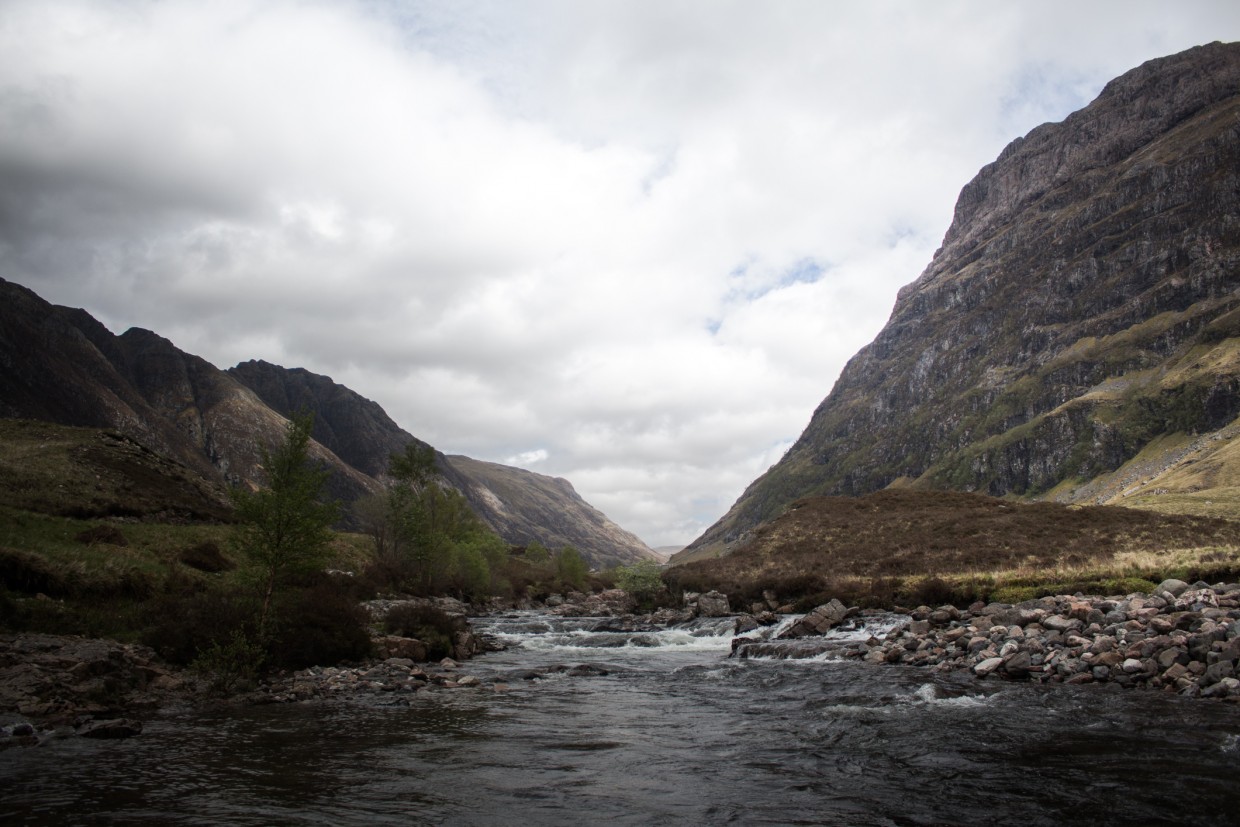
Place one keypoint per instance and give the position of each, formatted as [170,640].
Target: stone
[713,604]
[1057,623]
[986,667]
[1175,672]
[745,623]
[1174,655]
[1018,665]
[395,646]
[114,728]
[1196,600]
[1217,671]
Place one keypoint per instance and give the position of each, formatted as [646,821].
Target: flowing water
[603,724]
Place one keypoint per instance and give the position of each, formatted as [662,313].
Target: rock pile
[1182,638]
[608,603]
[401,676]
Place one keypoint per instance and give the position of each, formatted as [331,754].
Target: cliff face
[356,429]
[61,365]
[1081,314]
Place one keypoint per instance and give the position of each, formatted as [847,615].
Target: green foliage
[643,581]
[571,568]
[427,539]
[231,664]
[285,528]
[537,553]
[415,467]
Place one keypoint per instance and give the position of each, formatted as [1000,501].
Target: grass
[885,547]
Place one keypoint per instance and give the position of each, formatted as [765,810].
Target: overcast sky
[627,243]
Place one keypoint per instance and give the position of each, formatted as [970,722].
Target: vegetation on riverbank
[88,548]
[918,547]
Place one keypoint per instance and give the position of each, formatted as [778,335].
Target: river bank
[1182,638]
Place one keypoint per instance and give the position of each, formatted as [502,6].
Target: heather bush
[319,625]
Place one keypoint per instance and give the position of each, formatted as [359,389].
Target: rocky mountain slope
[60,365]
[524,507]
[1077,335]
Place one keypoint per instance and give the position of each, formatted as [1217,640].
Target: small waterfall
[538,632]
[849,639]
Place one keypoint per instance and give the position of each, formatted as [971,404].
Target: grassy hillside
[889,545]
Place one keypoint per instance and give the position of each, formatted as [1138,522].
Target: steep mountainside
[60,365]
[1077,334]
[524,507]
[355,428]
[63,366]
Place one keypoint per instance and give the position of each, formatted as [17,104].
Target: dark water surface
[673,733]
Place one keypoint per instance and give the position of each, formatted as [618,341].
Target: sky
[631,244]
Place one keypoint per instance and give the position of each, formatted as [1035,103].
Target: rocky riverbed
[1183,638]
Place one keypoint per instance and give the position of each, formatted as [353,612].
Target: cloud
[642,237]
[527,458]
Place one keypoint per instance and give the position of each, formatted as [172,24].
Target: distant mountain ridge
[61,365]
[1077,335]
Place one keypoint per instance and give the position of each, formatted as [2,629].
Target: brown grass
[882,545]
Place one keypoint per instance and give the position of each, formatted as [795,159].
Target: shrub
[319,626]
[30,573]
[231,664]
[643,581]
[206,557]
[102,533]
[181,627]
[931,591]
[434,627]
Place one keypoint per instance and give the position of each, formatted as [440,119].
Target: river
[660,727]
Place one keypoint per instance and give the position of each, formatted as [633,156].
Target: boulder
[113,728]
[713,604]
[394,646]
[987,666]
[1018,665]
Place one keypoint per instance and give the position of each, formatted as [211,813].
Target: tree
[285,527]
[571,567]
[643,581]
[428,532]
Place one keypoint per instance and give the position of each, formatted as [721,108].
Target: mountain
[1076,337]
[60,365]
[521,506]
[524,507]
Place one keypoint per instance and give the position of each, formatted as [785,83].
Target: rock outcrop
[82,683]
[1082,310]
